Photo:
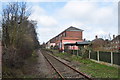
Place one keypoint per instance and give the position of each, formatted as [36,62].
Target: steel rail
[54,68]
[72,68]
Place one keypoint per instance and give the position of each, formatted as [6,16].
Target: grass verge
[95,70]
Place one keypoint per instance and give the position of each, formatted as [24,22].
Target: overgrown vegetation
[19,37]
[95,70]
[84,51]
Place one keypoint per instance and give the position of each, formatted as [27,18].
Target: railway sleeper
[74,75]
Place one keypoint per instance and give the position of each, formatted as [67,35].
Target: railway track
[63,70]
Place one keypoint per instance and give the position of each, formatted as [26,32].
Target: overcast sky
[95,17]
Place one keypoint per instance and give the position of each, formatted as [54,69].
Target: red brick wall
[76,34]
[70,35]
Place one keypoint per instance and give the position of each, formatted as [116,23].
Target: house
[106,45]
[69,35]
[115,43]
[98,43]
[50,43]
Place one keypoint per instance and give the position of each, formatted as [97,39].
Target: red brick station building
[69,36]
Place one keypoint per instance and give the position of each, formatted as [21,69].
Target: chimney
[113,36]
[84,39]
[96,37]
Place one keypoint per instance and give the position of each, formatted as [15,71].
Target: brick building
[115,43]
[98,43]
[106,45]
[70,35]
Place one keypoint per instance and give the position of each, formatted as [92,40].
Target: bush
[84,52]
[19,38]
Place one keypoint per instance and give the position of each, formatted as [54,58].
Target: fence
[109,57]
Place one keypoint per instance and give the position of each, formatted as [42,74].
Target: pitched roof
[71,38]
[83,43]
[79,43]
[116,38]
[98,39]
[71,28]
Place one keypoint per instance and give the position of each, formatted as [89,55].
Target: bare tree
[19,36]
[109,36]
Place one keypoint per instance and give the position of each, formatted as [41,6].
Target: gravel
[65,71]
[39,68]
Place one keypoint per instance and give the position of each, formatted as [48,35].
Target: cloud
[47,21]
[58,0]
[87,11]
[46,33]
[39,14]
[76,9]
[93,17]
[37,10]
[46,25]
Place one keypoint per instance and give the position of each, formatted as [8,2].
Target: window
[64,34]
[118,41]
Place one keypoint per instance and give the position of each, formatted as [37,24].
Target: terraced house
[70,35]
[115,43]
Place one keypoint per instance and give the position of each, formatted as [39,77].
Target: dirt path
[42,66]
[45,68]
[39,68]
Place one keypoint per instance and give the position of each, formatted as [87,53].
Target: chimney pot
[113,36]
[84,39]
[96,37]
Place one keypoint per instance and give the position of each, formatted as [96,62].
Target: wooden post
[73,51]
[89,54]
[111,58]
[77,52]
[98,57]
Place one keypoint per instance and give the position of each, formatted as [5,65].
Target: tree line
[19,37]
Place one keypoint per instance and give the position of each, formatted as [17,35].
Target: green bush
[84,52]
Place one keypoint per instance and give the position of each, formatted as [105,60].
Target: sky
[95,17]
